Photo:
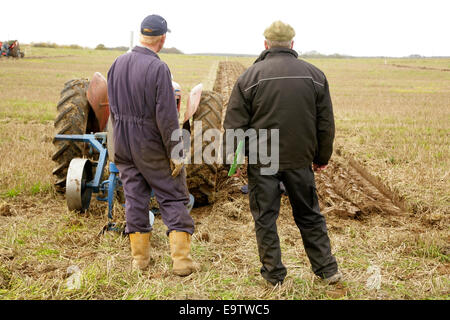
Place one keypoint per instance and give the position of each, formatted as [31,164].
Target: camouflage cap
[279,31]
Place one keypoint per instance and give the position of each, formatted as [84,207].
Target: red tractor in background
[11,49]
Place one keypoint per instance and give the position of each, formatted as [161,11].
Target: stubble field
[385,195]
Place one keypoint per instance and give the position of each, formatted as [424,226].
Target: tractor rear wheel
[73,112]
[201,178]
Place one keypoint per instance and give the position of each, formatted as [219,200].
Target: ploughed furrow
[343,191]
[202,178]
[227,74]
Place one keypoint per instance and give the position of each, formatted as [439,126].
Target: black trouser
[265,196]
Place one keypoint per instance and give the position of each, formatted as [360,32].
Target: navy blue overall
[144,114]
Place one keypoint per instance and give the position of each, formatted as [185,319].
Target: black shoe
[335,278]
[275,283]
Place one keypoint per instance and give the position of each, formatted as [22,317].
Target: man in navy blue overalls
[144,116]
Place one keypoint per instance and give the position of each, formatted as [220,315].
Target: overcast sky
[360,28]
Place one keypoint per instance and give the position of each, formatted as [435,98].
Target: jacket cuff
[320,162]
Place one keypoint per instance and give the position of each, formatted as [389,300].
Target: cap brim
[168,30]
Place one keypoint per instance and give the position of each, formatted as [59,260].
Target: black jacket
[279,91]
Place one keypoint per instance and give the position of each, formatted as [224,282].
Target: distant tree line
[101,46]
[54,45]
[315,54]
[171,50]
[307,55]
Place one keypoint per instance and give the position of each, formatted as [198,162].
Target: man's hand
[176,165]
[237,174]
[318,168]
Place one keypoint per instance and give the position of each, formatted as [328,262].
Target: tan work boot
[140,250]
[180,247]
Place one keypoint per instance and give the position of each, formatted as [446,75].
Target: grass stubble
[393,122]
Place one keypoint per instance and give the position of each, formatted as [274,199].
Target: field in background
[394,120]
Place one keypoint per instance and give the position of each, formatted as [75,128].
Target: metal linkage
[98,141]
[78,191]
[109,187]
[81,182]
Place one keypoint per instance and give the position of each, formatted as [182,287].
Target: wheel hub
[78,194]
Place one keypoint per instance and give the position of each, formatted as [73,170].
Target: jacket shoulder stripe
[279,78]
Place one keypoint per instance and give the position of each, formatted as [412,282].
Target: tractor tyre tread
[73,110]
[201,178]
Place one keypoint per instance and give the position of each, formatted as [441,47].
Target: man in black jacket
[281,92]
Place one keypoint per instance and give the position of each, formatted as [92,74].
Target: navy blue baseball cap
[154,25]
